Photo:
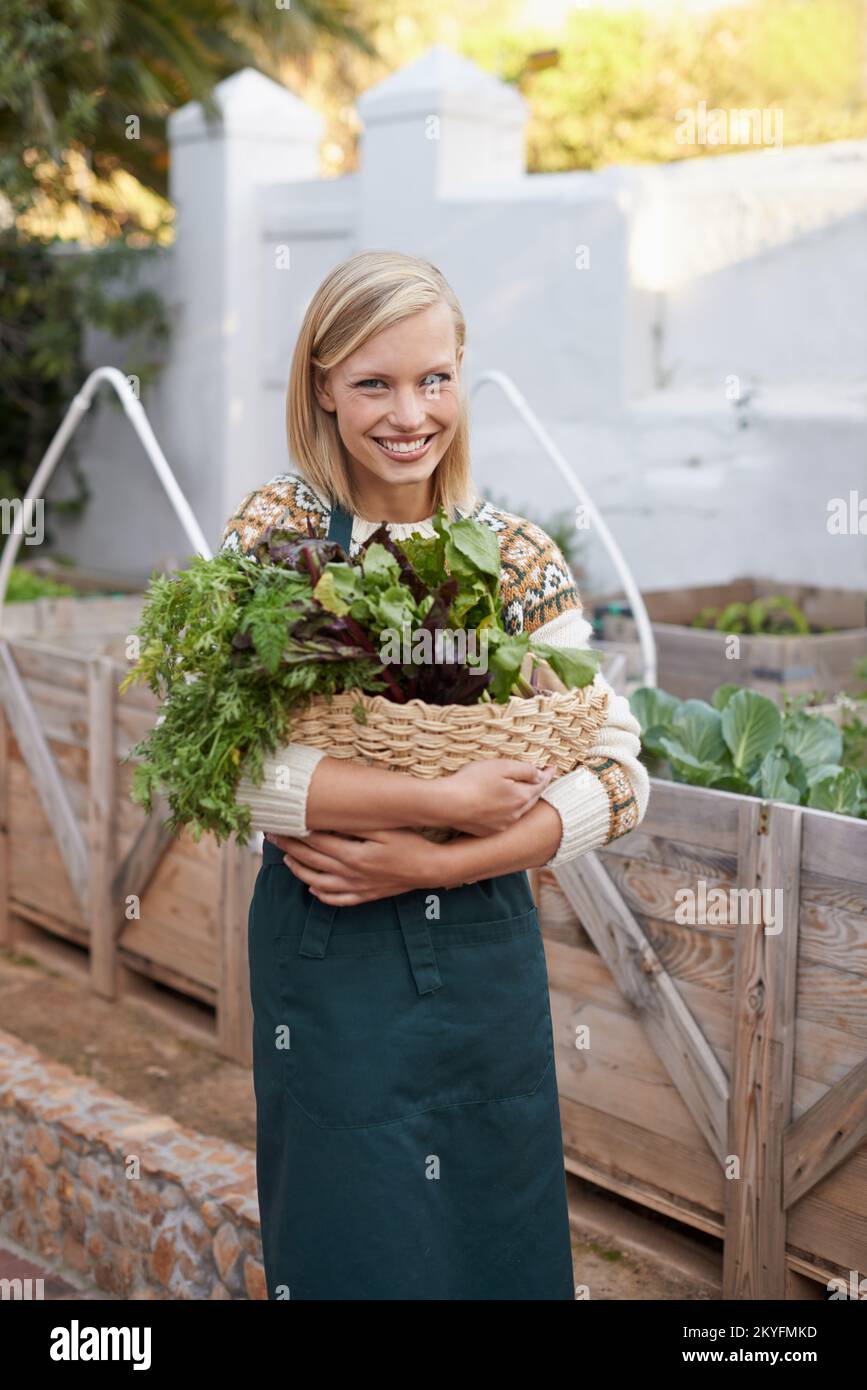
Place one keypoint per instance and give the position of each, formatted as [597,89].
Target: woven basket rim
[379,704]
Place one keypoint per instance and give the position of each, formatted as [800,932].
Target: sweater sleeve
[607,795]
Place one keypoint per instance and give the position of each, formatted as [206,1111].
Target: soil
[122,1048]
[610,1273]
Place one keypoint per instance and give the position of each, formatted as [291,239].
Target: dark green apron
[407,1118]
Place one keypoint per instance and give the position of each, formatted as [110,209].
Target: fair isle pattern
[536,582]
[623,805]
[285,500]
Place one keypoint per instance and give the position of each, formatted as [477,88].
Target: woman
[408,1127]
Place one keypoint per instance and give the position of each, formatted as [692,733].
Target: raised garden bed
[693,661]
[87,881]
[709,1069]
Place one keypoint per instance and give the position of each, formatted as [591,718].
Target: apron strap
[410,906]
[340,527]
[417,939]
[317,928]
[413,925]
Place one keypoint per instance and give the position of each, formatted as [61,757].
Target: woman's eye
[374,381]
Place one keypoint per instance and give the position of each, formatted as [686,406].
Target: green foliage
[235,645]
[47,298]
[776,615]
[620,78]
[25,586]
[75,73]
[741,742]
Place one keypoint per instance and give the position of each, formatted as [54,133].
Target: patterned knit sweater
[600,800]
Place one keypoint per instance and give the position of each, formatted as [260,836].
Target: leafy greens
[237,644]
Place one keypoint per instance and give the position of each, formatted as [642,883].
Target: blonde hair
[359,297]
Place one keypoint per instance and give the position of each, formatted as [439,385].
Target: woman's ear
[322,389]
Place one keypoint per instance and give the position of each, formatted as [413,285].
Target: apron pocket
[365,1048]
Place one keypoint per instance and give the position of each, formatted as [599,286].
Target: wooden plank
[763,1057]
[836,1233]
[137,868]
[49,785]
[641,1156]
[652,891]
[671,1028]
[238,868]
[178,928]
[827,1134]
[642,848]
[834,845]
[615,1072]
[48,662]
[692,815]
[103,906]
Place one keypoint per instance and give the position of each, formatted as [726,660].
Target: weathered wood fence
[722,1076]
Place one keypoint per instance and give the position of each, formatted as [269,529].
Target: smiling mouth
[404,449]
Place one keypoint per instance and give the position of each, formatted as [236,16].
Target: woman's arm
[304,790]
[347,871]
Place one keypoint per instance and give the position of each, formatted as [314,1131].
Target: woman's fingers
[316,879]
[313,858]
[519,771]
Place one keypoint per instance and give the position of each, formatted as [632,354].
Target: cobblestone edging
[143,1207]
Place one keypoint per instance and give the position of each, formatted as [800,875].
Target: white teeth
[412,447]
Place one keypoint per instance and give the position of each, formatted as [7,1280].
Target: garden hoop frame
[79,406]
[633,593]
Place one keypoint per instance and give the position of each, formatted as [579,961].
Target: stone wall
[130,1200]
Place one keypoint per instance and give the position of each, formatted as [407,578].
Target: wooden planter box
[692,662]
[722,1079]
[88,882]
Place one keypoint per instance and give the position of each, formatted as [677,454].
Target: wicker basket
[553,729]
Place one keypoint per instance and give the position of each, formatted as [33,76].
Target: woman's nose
[408,412]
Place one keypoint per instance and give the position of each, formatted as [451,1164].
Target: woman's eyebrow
[365,371]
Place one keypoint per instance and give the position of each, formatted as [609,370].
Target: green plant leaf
[751,725]
[697,728]
[687,767]
[576,666]
[773,779]
[654,709]
[477,545]
[842,793]
[812,738]
[724,693]
[651,740]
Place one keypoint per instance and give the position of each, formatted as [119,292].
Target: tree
[99,78]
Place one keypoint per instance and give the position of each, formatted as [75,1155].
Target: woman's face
[401,388]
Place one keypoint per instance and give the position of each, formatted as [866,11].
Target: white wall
[750,266]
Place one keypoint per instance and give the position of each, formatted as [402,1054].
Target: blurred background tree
[604,86]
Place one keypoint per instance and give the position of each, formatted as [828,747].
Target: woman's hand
[344,870]
[490,795]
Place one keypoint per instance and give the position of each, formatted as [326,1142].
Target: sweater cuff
[585,811]
[278,806]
